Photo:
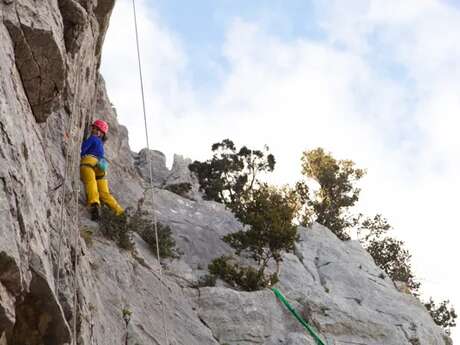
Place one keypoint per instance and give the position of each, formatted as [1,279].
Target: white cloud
[163,62]
[340,93]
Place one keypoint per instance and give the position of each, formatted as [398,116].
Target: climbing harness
[155,223]
[299,318]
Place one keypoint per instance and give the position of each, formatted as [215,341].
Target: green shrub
[246,278]
[269,213]
[443,315]
[120,229]
[181,189]
[87,235]
[231,177]
[206,280]
[337,193]
[126,313]
[116,228]
[231,172]
[391,256]
[388,253]
[145,227]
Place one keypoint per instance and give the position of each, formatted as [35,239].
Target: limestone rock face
[157,161]
[37,34]
[49,59]
[164,177]
[50,91]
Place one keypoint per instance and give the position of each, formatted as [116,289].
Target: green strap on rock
[298,317]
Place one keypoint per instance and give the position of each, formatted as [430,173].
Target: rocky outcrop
[163,177]
[334,284]
[49,59]
[49,91]
[157,160]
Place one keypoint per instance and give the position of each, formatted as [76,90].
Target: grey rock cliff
[49,60]
[50,90]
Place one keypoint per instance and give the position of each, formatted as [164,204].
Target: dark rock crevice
[5,137]
[10,274]
[209,328]
[39,318]
[322,279]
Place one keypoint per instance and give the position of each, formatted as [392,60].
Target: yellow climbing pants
[96,186]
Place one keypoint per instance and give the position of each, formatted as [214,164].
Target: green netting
[299,318]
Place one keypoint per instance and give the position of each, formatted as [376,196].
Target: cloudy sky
[376,81]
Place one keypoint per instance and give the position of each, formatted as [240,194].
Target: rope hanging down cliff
[70,138]
[76,264]
[299,318]
[155,223]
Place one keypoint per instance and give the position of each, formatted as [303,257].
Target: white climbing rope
[69,136]
[155,222]
[61,229]
[76,262]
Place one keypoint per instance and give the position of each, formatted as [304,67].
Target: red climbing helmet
[101,125]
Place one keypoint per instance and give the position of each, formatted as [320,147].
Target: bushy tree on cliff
[268,214]
[392,257]
[331,204]
[388,253]
[337,191]
[443,314]
[231,172]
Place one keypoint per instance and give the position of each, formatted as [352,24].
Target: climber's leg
[88,176]
[107,198]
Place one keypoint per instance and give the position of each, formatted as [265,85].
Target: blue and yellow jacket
[93,146]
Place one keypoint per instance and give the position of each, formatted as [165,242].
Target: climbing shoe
[95,213]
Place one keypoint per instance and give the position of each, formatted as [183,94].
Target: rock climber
[93,171]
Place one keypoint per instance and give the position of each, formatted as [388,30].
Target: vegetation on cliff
[270,215]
